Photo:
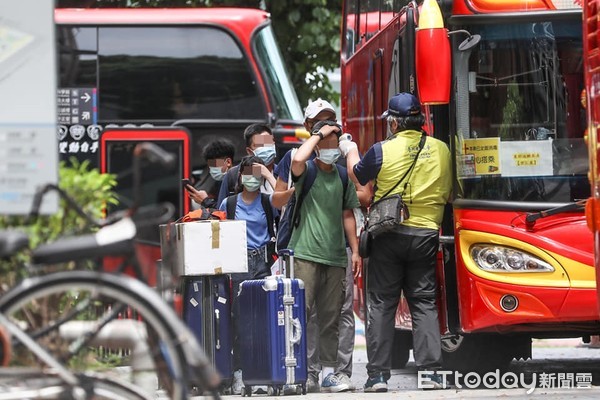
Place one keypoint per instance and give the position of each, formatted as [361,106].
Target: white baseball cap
[314,108]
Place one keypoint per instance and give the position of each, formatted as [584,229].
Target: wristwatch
[319,134]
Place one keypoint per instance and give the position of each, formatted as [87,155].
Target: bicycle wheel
[38,384]
[109,327]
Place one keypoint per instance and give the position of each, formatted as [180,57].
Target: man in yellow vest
[404,258]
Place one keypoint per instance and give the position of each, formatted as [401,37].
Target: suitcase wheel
[291,390]
[273,391]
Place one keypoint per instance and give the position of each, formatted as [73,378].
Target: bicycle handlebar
[114,240]
[147,150]
[37,202]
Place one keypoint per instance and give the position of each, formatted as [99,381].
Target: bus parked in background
[178,77]
[211,70]
[516,260]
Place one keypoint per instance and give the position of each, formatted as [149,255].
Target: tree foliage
[308,33]
[89,188]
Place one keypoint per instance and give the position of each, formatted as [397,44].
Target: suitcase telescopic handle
[286,252]
[290,264]
[295,339]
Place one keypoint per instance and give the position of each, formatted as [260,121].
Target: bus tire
[401,348]
[477,353]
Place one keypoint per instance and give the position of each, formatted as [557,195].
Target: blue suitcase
[272,322]
[207,311]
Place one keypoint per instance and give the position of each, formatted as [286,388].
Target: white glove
[346,144]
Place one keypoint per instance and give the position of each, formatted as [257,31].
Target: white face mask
[216,173]
[329,156]
[251,183]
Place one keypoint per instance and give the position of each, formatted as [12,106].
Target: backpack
[202,214]
[232,180]
[290,218]
[266,204]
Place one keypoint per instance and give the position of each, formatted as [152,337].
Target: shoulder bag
[390,211]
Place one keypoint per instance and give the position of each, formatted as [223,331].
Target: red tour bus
[211,70]
[591,62]
[502,85]
[155,73]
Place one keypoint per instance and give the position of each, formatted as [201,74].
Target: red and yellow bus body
[515,125]
[591,62]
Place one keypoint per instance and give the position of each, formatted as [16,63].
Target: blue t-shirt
[257,231]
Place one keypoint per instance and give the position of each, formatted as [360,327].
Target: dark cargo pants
[402,260]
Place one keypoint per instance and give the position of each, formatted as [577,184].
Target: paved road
[550,357]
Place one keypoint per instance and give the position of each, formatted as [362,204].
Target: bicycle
[62,351]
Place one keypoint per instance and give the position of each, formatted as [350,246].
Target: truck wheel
[401,349]
[478,353]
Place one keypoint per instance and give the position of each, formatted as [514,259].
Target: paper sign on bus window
[526,158]
[485,154]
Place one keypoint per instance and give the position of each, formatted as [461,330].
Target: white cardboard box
[204,247]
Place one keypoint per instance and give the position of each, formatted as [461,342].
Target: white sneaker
[237,385]
[345,380]
[333,384]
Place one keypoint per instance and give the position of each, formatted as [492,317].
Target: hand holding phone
[186,182]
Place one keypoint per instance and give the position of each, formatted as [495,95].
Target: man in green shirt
[319,242]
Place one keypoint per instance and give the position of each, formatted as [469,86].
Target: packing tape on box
[215,228]
[179,231]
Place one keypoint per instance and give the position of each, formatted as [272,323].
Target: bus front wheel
[482,353]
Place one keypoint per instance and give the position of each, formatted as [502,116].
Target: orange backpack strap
[220,215]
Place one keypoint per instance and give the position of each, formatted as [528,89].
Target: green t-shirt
[320,236]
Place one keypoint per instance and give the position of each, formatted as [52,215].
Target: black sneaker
[434,382]
[376,384]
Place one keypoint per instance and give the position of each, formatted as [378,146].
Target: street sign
[28,156]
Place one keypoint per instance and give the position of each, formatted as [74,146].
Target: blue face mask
[216,173]
[329,156]
[266,154]
[251,183]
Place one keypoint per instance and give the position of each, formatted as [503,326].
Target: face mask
[251,183]
[329,156]
[266,154]
[216,173]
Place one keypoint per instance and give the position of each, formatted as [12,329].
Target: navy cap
[402,105]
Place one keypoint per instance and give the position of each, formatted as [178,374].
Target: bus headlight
[506,259]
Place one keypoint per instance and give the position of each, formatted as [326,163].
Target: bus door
[158,184]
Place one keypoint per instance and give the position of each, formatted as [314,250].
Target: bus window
[351,36]
[525,85]
[153,73]
[287,105]
[159,184]
[78,56]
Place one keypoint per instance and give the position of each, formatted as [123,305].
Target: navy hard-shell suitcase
[272,323]
[207,311]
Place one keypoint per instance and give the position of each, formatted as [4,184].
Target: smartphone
[186,182]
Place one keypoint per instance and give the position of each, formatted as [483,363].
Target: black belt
[255,252]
